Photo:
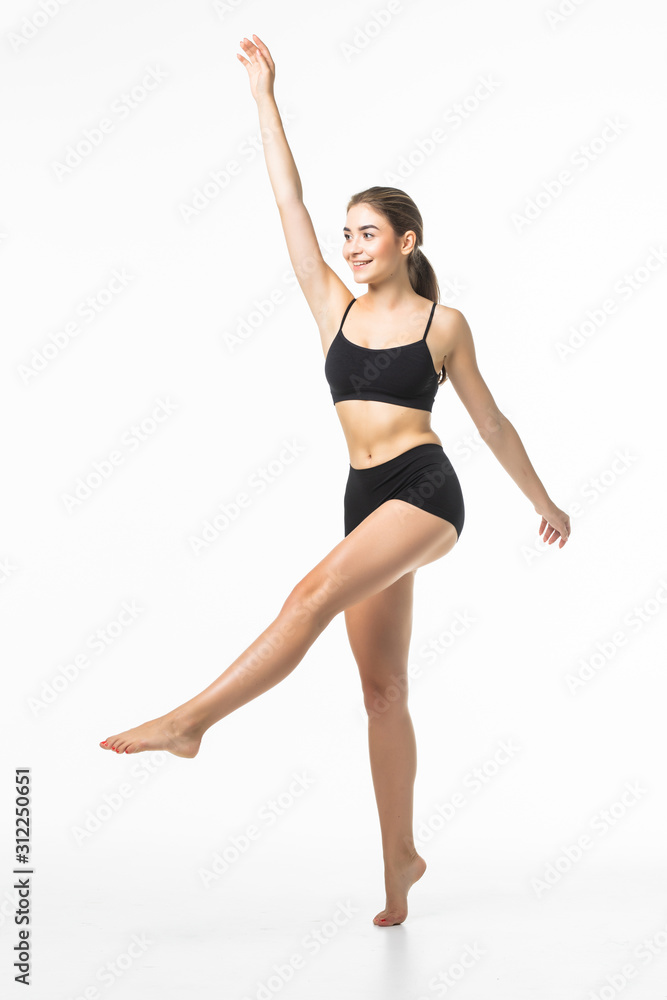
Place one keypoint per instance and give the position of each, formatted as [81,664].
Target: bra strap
[429,321]
[345,314]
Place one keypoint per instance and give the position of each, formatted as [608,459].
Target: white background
[358,103]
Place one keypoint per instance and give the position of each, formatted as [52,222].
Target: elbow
[286,200]
[491,425]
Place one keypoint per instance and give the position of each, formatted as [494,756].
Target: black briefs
[423,476]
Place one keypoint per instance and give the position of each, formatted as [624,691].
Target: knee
[314,599]
[381,699]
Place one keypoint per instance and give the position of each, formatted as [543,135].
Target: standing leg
[395,539]
[379,630]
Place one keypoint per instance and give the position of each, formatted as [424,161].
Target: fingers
[550,534]
[249,47]
[263,50]
[246,62]
[256,56]
[563,535]
[257,51]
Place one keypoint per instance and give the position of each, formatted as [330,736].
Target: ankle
[399,857]
[187,722]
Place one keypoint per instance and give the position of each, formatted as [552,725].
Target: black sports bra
[404,376]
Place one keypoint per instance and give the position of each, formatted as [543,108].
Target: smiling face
[370,247]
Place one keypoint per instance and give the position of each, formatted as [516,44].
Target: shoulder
[447,316]
[451,328]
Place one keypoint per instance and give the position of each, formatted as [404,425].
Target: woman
[403,505]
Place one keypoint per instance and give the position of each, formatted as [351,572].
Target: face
[370,247]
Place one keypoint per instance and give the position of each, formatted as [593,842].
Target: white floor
[475,929]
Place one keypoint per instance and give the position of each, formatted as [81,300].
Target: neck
[390,294]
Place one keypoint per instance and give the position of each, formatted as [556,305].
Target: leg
[379,630]
[395,539]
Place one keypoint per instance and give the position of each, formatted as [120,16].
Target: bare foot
[397,880]
[168,732]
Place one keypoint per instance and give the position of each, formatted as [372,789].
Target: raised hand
[260,66]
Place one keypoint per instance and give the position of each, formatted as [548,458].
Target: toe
[387,918]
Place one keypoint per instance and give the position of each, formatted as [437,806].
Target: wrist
[266,100]
[541,501]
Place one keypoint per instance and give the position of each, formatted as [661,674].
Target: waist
[375,432]
[423,447]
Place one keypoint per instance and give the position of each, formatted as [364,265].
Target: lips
[360,263]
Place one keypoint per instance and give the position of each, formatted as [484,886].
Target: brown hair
[402,214]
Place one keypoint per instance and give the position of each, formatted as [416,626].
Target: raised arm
[324,291]
[495,429]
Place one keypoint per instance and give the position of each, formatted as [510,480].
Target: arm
[496,430]
[321,286]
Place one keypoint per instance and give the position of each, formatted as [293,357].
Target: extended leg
[394,539]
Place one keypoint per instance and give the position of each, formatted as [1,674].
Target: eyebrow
[369,226]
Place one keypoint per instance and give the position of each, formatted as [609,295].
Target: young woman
[403,506]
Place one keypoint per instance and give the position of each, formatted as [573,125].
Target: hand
[556,522]
[260,66]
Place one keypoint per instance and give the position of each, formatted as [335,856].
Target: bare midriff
[376,432]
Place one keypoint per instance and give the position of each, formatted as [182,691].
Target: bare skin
[360,567]
[369,575]
[379,630]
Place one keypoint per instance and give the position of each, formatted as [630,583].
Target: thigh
[379,629]
[395,539]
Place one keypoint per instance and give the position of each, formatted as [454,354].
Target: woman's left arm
[494,427]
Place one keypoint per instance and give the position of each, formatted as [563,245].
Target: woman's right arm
[323,289]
